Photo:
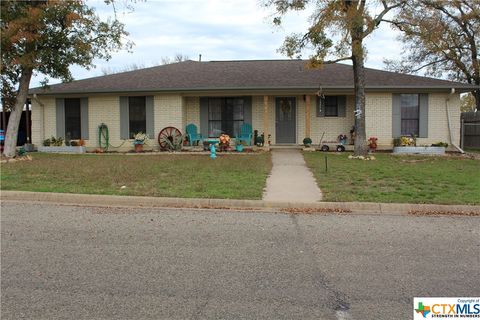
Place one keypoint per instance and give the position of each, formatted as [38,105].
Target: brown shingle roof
[243,75]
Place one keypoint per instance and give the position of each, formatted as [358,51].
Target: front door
[285,120]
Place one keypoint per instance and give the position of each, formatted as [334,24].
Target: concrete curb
[135,201]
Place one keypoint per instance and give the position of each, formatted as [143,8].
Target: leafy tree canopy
[467,102]
[334,27]
[47,36]
[440,39]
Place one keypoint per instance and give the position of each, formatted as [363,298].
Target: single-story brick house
[282,98]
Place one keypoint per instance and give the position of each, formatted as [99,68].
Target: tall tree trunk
[360,148]
[16,113]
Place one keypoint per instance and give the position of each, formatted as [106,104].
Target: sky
[216,29]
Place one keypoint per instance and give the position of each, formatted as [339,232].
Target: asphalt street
[73,262]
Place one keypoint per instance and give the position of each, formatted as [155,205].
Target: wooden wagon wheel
[170,138]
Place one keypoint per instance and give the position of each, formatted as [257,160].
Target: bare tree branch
[441,37]
[379,18]
[428,64]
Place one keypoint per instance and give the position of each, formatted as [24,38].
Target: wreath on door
[286,108]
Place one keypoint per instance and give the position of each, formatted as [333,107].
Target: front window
[331,106]
[225,115]
[73,128]
[410,114]
[137,115]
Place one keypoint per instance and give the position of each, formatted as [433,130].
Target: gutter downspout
[448,120]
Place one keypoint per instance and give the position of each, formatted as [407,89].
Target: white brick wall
[105,109]
[168,112]
[332,126]
[378,117]
[257,116]
[174,110]
[257,113]
[437,119]
[37,123]
[192,112]
[43,119]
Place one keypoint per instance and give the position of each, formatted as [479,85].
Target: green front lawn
[413,179]
[186,176]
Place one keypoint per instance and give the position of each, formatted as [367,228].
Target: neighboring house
[283,98]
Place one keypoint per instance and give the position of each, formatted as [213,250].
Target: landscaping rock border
[15,159]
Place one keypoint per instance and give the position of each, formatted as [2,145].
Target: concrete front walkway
[290,179]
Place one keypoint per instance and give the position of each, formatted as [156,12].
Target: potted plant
[224,142]
[408,141]
[372,143]
[307,142]
[55,145]
[139,140]
[206,145]
[259,140]
[238,146]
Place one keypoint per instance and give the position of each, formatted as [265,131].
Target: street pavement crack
[337,300]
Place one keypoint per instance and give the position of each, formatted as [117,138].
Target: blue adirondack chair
[246,133]
[193,135]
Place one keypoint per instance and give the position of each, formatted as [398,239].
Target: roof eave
[259,90]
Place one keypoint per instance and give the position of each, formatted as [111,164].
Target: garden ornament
[358,113]
[213,152]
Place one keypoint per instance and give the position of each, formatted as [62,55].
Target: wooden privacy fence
[470,130]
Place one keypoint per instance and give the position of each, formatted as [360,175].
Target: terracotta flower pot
[139,147]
